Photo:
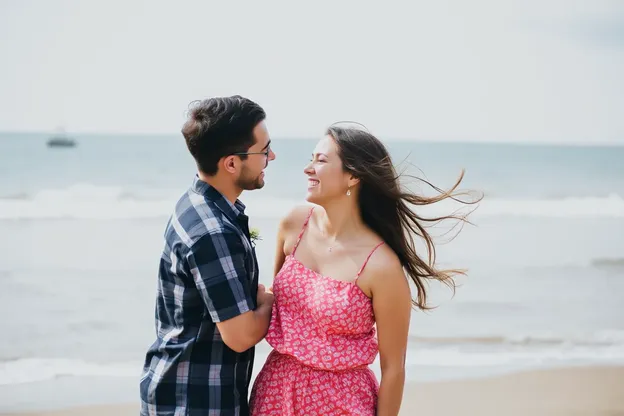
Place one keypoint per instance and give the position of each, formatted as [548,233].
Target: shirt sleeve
[217,264]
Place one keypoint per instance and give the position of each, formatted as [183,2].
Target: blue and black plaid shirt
[208,273]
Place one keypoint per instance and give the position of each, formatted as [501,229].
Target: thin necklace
[330,248]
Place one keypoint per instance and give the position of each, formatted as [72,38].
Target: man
[210,310]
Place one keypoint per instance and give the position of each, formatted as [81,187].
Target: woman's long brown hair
[388,209]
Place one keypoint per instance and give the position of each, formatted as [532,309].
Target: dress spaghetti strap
[305,224]
[367,258]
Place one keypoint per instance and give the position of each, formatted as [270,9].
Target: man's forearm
[258,329]
[246,330]
[262,318]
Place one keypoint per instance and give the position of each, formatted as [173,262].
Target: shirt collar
[232,211]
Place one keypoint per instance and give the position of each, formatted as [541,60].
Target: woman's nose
[308,168]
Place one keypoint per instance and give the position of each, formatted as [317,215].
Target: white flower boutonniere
[254,235]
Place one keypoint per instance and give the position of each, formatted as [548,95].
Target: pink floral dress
[323,336]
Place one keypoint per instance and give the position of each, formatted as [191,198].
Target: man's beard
[249,183]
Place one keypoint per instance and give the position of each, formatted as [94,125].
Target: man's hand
[265,297]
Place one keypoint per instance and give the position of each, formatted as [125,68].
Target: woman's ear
[353,181]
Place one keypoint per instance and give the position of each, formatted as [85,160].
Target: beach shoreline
[564,391]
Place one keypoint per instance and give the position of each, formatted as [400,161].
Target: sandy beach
[593,391]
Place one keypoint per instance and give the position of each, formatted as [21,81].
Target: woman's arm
[280,256]
[392,307]
[289,228]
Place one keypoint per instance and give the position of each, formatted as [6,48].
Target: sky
[501,71]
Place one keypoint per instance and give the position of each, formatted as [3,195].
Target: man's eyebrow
[267,145]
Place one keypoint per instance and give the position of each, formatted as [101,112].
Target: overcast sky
[495,70]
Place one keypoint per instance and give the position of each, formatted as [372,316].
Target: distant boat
[61,140]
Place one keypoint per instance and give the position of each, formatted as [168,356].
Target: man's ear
[229,163]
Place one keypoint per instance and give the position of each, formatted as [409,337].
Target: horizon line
[437,140]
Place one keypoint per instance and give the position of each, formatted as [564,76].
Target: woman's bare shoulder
[295,218]
[384,265]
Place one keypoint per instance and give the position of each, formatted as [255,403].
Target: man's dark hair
[218,127]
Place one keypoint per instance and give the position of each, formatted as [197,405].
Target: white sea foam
[84,201]
[29,370]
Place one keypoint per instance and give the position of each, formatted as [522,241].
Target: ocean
[81,231]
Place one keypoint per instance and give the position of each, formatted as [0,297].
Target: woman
[341,294]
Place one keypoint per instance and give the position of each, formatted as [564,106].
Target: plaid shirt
[208,273]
